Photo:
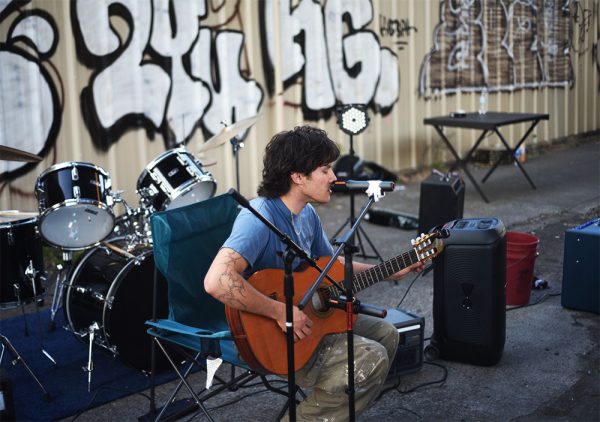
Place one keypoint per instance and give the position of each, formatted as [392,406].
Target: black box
[442,200]
[7,407]
[409,356]
[581,268]
[469,303]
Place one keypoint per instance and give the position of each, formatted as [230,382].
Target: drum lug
[74,174]
[98,296]
[10,237]
[76,191]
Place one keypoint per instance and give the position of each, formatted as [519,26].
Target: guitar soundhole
[319,300]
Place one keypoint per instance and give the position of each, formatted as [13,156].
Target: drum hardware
[132,225]
[59,287]
[18,358]
[31,273]
[90,366]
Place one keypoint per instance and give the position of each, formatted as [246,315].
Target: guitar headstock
[428,246]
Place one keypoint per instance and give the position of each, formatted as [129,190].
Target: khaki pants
[375,344]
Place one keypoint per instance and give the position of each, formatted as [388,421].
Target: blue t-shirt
[262,248]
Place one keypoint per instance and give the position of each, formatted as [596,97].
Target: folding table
[488,122]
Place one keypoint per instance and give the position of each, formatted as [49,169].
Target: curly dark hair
[300,150]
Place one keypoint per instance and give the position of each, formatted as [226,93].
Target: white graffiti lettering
[341,61]
[161,70]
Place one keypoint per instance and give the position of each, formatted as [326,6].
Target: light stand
[353,119]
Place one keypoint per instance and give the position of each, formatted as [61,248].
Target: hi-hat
[13,154]
[229,132]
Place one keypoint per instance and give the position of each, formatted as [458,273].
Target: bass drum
[114,289]
[20,255]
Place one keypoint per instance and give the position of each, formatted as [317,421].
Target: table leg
[511,152]
[462,163]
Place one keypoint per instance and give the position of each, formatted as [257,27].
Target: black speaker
[469,304]
[442,199]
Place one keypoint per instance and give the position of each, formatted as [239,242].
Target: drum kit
[107,293]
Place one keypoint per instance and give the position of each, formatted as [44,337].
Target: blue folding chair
[186,240]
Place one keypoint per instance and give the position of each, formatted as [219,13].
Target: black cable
[540,299]
[396,386]
[408,289]
[440,381]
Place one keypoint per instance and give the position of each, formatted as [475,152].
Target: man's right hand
[302,323]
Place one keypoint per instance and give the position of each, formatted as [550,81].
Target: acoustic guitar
[260,341]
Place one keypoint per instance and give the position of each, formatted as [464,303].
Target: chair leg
[182,380]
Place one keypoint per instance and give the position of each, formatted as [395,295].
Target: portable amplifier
[409,356]
[581,272]
[441,200]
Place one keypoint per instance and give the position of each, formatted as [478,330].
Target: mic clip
[357,307]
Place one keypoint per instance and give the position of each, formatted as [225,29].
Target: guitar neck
[379,272]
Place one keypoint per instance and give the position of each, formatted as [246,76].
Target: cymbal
[13,154]
[208,162]
[15,215]
[229,132]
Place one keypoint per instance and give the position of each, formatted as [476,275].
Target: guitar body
[260,341]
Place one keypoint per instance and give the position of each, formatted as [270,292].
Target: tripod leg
[6,343]
[358,235]
[339,230]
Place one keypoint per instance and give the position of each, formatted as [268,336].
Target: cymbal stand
[59,287]
[30,273]
[17,291]
[237,144]
[18,358]
[90,366]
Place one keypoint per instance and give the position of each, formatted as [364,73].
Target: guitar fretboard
[379,272]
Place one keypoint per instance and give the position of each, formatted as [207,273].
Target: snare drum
[75,204]
[22,276]
[114,290]
[174,179]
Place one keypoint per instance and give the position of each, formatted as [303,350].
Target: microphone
[239,197]
[358,307]
[361,186]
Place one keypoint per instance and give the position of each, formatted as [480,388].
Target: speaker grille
[468,297]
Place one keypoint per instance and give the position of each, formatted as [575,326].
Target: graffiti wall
[118,82]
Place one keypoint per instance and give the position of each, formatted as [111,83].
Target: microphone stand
[351,305]
[292,251]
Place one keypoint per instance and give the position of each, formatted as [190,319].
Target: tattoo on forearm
[233,284]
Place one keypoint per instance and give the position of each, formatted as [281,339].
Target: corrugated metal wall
[117,85]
